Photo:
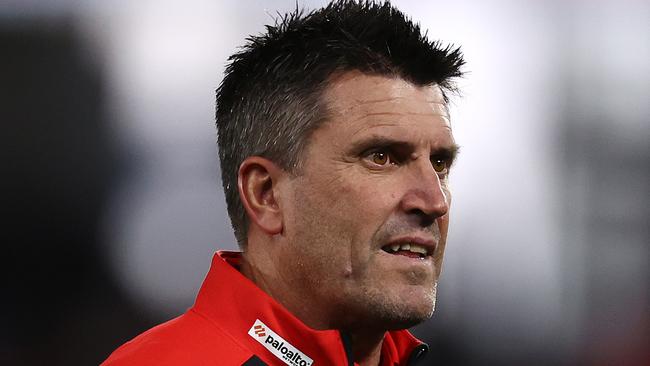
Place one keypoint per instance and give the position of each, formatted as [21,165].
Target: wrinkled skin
[374,173]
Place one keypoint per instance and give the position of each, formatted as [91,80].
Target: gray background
[114,206]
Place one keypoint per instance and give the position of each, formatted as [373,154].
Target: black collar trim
[347,346]
[254,361]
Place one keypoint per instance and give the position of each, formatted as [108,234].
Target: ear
[257,183]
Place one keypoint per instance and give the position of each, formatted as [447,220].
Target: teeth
[414,248]
[418,249]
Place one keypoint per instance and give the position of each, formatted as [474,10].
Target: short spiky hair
[269,100]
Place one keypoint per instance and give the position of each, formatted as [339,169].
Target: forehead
[365,102]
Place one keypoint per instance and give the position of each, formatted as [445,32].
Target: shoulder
[189,339]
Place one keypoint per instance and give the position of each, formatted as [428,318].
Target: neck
[366,344]
[366,347]
[264,262]
[260,269]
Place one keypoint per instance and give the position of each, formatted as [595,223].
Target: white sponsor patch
[278,346]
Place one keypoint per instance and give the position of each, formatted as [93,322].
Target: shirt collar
[234,303]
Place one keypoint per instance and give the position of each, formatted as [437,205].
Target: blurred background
[112,202]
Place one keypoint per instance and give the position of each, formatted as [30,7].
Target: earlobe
[256,180]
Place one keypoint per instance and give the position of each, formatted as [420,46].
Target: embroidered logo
[282,349]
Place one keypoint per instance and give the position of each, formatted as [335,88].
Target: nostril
[423,219]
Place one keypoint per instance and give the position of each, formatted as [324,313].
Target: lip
[428,243]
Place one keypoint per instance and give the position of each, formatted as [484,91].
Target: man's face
[374,182]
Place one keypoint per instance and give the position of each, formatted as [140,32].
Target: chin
[399,311]
[404,322]
[409,316]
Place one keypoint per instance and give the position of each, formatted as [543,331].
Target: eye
[379,157]
[439,165]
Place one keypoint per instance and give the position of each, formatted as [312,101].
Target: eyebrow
[447,152]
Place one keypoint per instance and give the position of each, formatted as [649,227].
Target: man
[335,147]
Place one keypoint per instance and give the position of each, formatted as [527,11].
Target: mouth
[410,249]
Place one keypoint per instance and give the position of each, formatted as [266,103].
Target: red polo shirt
[233,322]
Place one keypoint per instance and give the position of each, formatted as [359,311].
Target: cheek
[319,222]
[443,226]
[347,209]
[354,209]
[444,185]
[358,197]
[444,220]
[370,203]
[377,194]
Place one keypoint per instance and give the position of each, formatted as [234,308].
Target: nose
[425,195]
